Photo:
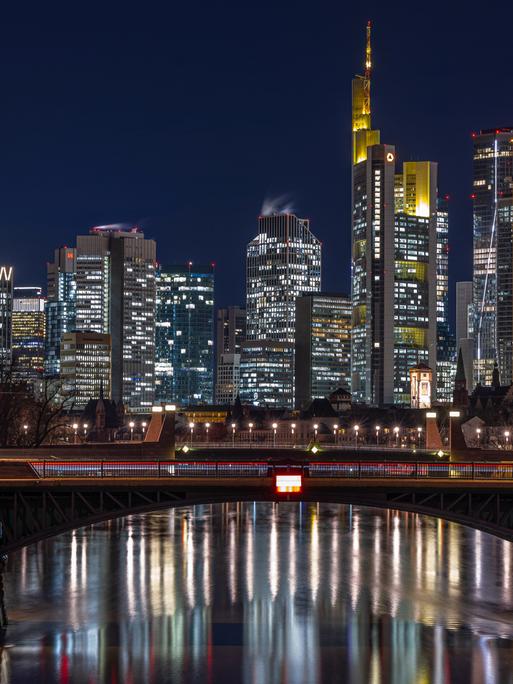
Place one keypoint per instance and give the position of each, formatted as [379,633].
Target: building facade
[267,373]
[6,304]
[86,366]
[28,332]
[227,379]
[493,255]
[115,295]
[230,334]
[283,261]
[394,240]
[464,328]
[185,334]
[322,346]
[60,305]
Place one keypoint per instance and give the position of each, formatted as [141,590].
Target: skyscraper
[60,305]
[283,261]
[230,334]
[86,365]
[6,302]
[464,332]
[185,334]
[322,347]
[116,295]
[493,254]
[28,332]
[393,260]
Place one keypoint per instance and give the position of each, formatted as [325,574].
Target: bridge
[39,499]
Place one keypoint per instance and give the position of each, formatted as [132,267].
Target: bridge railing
[222,469]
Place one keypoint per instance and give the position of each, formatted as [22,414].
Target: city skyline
[319,191]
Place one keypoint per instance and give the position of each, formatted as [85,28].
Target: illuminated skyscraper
[86,365]
[393,261]
[60,306]
[115,295]
[283,262]
[464,328]
[493,254]
[28,332]
[6,302]
[185,334]
[323,346]
[230,334]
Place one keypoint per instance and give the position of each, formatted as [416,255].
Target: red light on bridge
[287,484]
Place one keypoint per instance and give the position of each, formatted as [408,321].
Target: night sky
[184,118]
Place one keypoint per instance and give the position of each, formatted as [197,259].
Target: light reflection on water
[262,593]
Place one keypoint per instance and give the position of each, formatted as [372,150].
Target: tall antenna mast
[368,57]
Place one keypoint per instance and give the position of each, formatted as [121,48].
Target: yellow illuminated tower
[363,135]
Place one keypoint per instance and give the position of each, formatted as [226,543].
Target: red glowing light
[287,484]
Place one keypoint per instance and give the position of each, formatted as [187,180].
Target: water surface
[262,593]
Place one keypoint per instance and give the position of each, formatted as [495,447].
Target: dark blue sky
[184,117]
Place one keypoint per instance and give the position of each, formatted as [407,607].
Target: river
[262,593]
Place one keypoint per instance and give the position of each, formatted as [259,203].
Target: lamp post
[275,427]
[233,434]
[419,434]
[25,429]
[335,430]
[356,431]
[191,428]
[293,431]
[207,426]
[143,425]
[506,435]
[378,428]
[131,424]
[250,431]
[396,432]
[75,428]
[478,433]
[315,427]
[85,429]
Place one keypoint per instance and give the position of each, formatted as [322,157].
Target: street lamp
[25,428]
[335,430]
[191,428]
[419,433]
[315,427]
[478,433]
[293,431]
[131,425]
[275,427]
[396,432]
[378,428]
[250,431]
[356,431]
[143,425]
[506,435]
[75,427]
[207,426]
[234,425]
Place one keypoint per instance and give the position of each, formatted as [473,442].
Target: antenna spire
[368,53]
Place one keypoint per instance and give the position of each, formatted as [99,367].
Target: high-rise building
[464,332]
[86,366]
[28,332]
[283,261]
[493,254]
[230,334]
[393,261]
[185,334]
[6,303]
[60,305]
[227,379]
[322,346]
[445,341]
[267,373]
[116,295]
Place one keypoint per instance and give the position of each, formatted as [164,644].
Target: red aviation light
[288,484]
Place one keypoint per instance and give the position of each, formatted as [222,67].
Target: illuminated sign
[286,484]
[390,157]
[5,272]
